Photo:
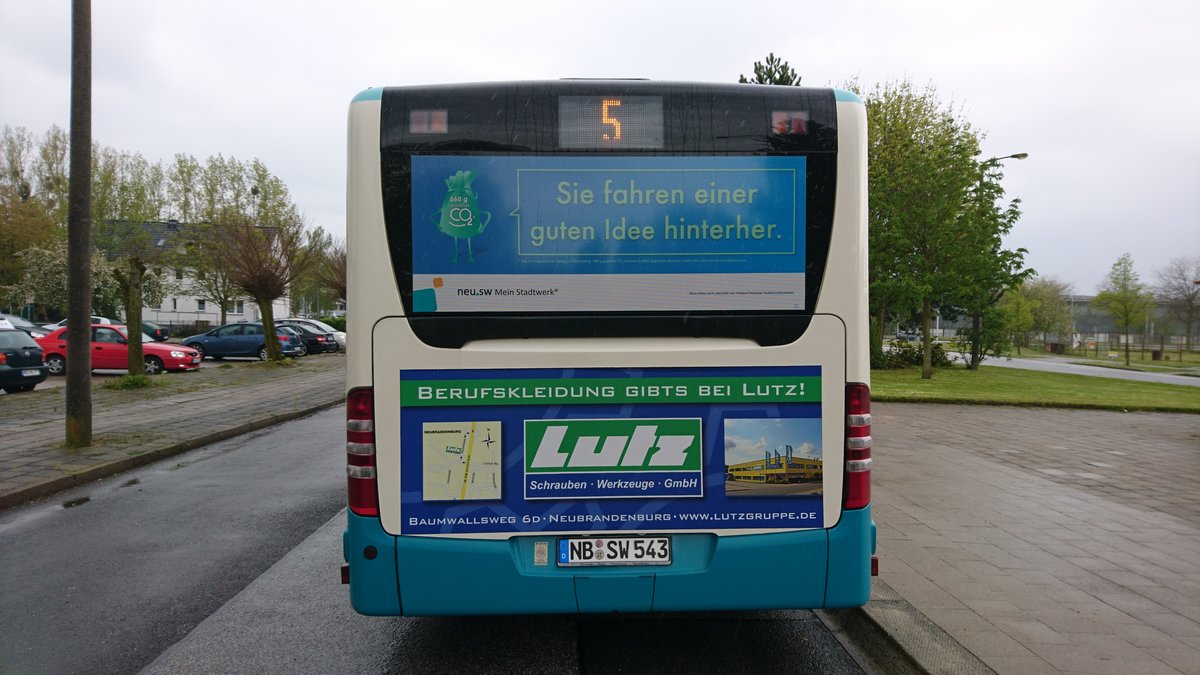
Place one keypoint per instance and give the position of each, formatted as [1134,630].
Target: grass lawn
[1011,386]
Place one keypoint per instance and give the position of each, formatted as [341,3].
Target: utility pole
[79,232]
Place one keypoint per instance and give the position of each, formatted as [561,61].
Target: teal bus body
[572,306]
[825,568]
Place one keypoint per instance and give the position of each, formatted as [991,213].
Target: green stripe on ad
[447,393]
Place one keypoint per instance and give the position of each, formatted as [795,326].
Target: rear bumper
[423,576]
[14,376]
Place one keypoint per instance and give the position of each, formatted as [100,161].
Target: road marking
[467,468]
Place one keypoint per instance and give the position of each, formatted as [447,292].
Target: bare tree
[1178,290]
[212,278]
[331,268]
[264,261]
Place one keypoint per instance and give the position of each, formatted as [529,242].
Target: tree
[1050,304]
[212,278]
[1125,298]
[922,168]
[51,169]
[264,260]
[129,199]
[1178,289]
[774,71]
[331,267]
[25,221]
[1016,310]
[45,277]
[183,188]
[218,197]
[986,268]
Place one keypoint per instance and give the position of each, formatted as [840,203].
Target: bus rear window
[592,210]
[603,234]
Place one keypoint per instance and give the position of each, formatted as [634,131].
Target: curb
[889,635]
[49,487]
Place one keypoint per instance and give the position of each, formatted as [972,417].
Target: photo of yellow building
[773,456]
[783,467]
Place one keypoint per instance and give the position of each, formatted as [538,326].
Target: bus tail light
[858,446]
[360,452]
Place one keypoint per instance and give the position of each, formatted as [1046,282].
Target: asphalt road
[1064,365]
[103,578]
[225,559]
[296,618]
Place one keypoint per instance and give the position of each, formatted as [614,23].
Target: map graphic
[461,461]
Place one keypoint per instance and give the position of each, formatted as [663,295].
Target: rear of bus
[608,349]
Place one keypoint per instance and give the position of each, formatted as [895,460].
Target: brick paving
[134,427]
[1045,540]
[1040,540]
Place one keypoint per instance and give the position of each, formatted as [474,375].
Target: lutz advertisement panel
[545,450]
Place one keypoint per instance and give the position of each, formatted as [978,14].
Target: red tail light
[360,452]
[858,446]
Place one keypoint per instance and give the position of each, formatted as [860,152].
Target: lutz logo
[557,446]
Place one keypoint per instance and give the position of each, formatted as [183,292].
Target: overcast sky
[1104,96]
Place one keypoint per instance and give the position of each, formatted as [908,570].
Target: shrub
[903,354]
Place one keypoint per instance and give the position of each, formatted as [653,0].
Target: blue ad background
[513,449]
[521,191]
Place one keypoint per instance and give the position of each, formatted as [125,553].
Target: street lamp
[1017,155]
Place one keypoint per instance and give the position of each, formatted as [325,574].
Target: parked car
[21,323]
[242,339]
[338,335]
[159,333]
[95,320]
[316,341]
[110,351]
[295,331]
[21,365]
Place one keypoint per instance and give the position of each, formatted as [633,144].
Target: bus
[573,306]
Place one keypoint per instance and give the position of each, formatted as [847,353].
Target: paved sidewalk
[1045,540]
[131,428]
[1020,540]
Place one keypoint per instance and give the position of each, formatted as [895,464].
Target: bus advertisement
[586,316]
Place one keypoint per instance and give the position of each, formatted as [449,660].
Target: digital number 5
[609,119]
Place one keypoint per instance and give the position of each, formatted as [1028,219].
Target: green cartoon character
[460,217]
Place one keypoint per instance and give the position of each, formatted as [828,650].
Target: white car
[51,327]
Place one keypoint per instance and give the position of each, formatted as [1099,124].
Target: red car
[110,350]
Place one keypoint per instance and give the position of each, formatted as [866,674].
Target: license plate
[29,373]
[196,359]
[584,551]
